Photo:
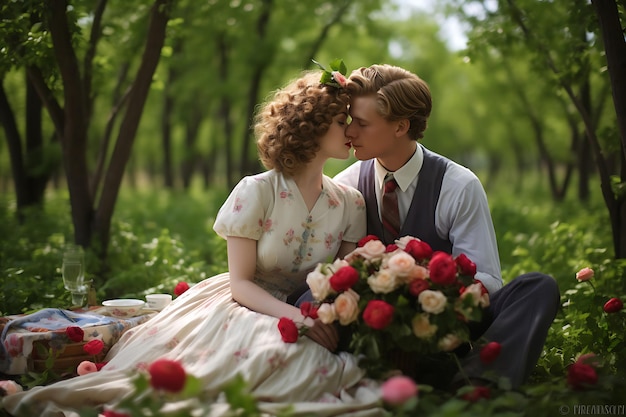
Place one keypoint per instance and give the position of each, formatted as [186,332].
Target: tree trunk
[159,16]
[225,107]
[615,48]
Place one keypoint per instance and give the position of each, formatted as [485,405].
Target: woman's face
[334,143]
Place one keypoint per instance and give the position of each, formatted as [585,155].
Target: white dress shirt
[462,214]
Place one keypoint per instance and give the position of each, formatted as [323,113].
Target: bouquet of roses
[397,298]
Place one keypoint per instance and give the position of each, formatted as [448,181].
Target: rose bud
[75,333]
[584,274]
[167,375]
[93,347]
[398,390]
[180,288]
[581,375]
[86,367]
[613,305]
[490,352]
[288,330]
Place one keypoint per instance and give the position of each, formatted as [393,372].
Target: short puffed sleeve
[355,212]
[244,211]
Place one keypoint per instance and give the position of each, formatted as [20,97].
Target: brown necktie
[390,213]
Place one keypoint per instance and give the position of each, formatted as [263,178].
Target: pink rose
[75,333]
[442,268]
[288,330]
[584,274]
[86,367]
[347,307]
[613,305]
[10,387]
[401,263]
[167,375]
[490,352]
[378,314]
[340,78]
[93,347]
[180,288]
[344,279]
[398,390]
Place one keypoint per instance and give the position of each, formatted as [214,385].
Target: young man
[444,204]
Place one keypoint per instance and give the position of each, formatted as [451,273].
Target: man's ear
[402,127]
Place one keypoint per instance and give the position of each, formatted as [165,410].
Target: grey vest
[420,220]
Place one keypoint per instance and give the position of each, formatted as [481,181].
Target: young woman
[278,225]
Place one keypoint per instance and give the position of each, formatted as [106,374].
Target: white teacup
[158,301]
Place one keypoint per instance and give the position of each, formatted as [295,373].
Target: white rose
[417,272]
[347,307]
[401,263]
[422,327]
[449,342]
[10,387]
[318,283]
[373,250]
[327,313]
[432,301]
[404,240]
[475,291]
[383,282]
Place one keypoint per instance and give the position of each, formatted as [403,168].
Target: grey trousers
[518,317]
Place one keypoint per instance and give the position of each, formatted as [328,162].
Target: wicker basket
[69,356]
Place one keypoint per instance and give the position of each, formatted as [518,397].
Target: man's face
[370,134]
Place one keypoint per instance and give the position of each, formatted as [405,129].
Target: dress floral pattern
[215,338]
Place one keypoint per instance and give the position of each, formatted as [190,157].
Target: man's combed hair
[400,94]
[288,126]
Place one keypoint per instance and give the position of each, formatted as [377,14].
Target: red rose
[580,375]
[392,247]
[180,288]
[418,249]
[477,393]
[442,268]
[93,347]
[417,286]
[111,413]
[366,239]
[167,375]
[466,266]
[490,352]
[344,278]
[288,330]
[307,309]
[100,365]
[75,333]
[613,305]
[378,314]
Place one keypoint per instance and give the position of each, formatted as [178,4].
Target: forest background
[125,125]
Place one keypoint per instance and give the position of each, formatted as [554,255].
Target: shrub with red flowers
[398,297]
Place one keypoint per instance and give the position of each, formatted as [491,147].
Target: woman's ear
[402,127]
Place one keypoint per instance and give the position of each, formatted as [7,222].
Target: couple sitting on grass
[281,223]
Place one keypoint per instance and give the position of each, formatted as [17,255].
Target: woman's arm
[241,266]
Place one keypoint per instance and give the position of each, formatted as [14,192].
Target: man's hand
[324,334]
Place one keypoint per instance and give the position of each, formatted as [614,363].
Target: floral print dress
[216,339]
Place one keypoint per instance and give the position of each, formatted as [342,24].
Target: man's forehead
[363,107]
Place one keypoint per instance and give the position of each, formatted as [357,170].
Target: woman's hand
[324,334]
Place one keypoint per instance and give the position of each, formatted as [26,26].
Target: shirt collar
[406,174]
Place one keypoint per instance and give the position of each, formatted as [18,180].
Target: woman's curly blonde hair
[289,125]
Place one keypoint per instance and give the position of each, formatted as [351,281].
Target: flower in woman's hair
[442,268]
[318,283]
[344,278]
[432,301]
[449,342]
[585,274]
[383,282]
[9,387]
[86,367]
[340,78]
[366,239]
[613,305]
[288,330]
[397,390]
[477,393]
[75,333]
[490,352]
[326,312]
[180,288]
[93,347]
[378,314]
[167,375]
[417,286]
[307,309]
[466,266]
[422,327]
[347,307]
